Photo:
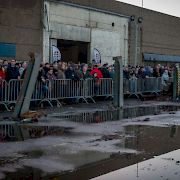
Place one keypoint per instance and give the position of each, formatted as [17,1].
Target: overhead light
[132,18]
[140,20]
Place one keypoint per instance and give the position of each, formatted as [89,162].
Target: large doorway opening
[73,51]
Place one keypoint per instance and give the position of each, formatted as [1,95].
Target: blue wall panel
[160,57]
[7,50]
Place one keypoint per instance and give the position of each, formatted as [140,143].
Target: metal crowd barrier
[148,85]
[4,93]
[67,89]
[56,90]
[14,87]
[42,92]
[103,87]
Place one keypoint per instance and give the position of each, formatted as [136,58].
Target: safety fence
[55,90]
[6,130]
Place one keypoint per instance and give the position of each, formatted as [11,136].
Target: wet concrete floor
[86,143]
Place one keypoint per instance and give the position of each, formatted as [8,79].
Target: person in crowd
[22,70]
[1,61]
[55,68]
[161,70]
[104,71]
[2,72]
[170,70]
[41,74]
[2,77]
[141,73]
[148,71]
[5,65]
[96,73]
[111,71]
[51,83]
[18,65]
[156,71]
[62,84]
[12,71]
[84,72]
[50,75]
[77,71]
[42,81]
[61,71]
[126,73]
[46,68]
[165,78]
[71,73]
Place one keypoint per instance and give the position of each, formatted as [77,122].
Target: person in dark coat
[12,71]
[72,74]
[104,70]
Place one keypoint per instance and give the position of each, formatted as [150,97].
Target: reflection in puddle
[109,115]
[83,145]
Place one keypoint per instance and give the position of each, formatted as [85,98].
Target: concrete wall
[160,32]
[20,23]
[78,24]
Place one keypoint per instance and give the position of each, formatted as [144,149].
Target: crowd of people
[146,72]
[12,70]
[62,70]
[57,70]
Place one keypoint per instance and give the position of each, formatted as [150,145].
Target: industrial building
[80,28]
[20,28]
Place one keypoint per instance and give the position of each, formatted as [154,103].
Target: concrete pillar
[27,89]
[135,38]
[175,82]
[118,100]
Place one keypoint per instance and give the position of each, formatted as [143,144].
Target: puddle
[160,167]
[86,144]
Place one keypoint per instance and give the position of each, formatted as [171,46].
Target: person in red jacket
[2,78]
[96,72]
[2,72]
[97,75]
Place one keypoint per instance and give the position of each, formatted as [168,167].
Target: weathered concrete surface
[161,167]
[106,105]
[75,137]
[159,33]
[80,24]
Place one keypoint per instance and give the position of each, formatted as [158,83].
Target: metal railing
[4,93]
[57,90]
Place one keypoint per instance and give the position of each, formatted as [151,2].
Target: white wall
[107,42]
[78,24]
